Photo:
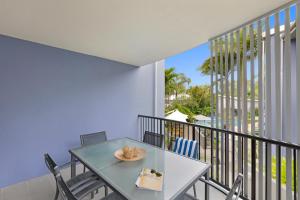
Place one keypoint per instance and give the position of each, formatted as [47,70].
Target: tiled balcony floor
[43,188]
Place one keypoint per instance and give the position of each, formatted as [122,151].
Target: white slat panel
[238,51]
[277,57]
[244,79]
[245,111]
[221,82]
[298,90]
[232,89]
[211,82]
[287,99]
[217,82]
[217,89]
[232,86]
[260,78]
[282,91]
[260,108]
[252,81]
[226,112]
[287,78]
[222,108]
[268,106]
[277,77]
[226,84]
[268,80]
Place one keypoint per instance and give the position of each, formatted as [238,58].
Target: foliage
[197,103]
[175,83]
[170,77]
[197,99]
[180,84]
[191,119]
[283,170]
[205,68]
[180,107]
[256,112]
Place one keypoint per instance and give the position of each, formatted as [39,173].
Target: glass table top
[179,172]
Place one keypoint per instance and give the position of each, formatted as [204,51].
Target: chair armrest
[67,164]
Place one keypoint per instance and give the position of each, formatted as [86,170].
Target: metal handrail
[255,137]
[218,145]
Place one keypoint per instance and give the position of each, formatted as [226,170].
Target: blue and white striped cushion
[186,147]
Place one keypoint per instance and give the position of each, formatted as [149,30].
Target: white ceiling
[136,32]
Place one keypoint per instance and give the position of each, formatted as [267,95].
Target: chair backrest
[51,165]
[64,190]
[154,139]
[93,138]
[186,147]
[236,188]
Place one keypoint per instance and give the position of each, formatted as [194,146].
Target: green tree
[199,100]
[205,67]
[175,83]
[180,84]
[170,82]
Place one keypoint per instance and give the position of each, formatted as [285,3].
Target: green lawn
[283,170]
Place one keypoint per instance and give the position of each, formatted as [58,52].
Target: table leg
[206,187]
[73,166]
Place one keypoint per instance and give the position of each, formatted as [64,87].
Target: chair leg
[195,193]
[56,193]
[105,190]
[92,195]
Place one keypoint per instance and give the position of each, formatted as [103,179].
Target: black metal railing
[269,166]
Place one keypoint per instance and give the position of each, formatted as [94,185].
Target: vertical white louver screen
[245,109]
[298,86]
[212,80]
[268,110]
[232,87]
[253,92]
[260,108]
[287,101]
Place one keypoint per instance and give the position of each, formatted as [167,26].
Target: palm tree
[205,67]
[175,83]
[180,86]
[170,82]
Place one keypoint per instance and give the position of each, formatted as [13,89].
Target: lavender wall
[49,96]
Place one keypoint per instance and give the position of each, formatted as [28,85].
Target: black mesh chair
[67,194]
[154,139]
[234,192]
[77,187]
[92,138]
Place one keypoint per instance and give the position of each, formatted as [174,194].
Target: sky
[188,61]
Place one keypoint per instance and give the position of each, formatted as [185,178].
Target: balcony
[72,68]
